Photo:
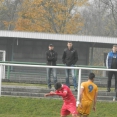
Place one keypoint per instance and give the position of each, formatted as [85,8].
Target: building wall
[6,44]
[33,50]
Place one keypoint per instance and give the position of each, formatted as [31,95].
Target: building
[31,47]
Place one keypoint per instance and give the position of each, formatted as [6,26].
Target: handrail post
[0,78]
[8,71]
[79,82]
[76,73]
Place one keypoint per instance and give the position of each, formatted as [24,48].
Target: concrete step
[104,93]
[105,98]
[41,95]
[43,81]
[25,91]
[45,90]
[26,94]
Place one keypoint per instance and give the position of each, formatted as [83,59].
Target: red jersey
[66,94]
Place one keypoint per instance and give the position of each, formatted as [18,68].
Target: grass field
[33,107]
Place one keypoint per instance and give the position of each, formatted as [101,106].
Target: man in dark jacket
[51,57]
[70,57]
[111,63]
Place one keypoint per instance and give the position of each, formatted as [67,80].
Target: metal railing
[8,69]
[58,67]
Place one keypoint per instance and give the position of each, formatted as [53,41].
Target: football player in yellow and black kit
[88,96]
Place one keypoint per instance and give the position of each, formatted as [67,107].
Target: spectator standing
[69,58]
[51,57]
[111,63]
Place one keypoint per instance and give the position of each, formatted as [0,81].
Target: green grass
[33,107]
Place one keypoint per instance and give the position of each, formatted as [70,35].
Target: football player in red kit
[69,105]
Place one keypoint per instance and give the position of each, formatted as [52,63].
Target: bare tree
[112,5]
[8,13]
[100,18]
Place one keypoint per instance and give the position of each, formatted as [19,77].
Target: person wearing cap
[51,57]
[111,63]
[69,58]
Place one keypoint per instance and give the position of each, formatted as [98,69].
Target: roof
[61,37]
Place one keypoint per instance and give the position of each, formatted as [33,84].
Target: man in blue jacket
[111,63]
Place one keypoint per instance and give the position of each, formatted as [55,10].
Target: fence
[58,67]
[8,68]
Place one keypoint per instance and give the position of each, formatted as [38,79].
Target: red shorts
[68,108]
